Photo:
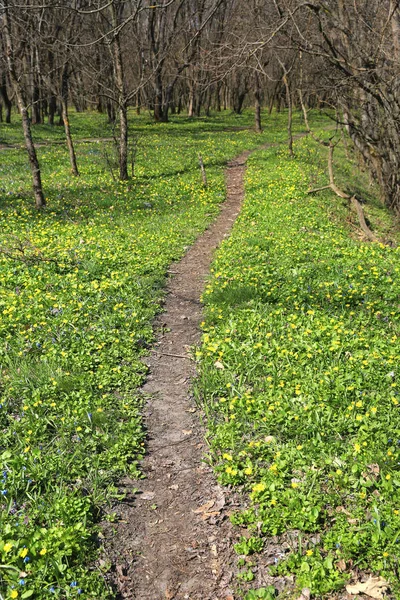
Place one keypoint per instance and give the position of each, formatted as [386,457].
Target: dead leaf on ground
[269,439]
[220,503]
[208,515]
[205,507]
[147,496]
[121,570]
[218,365]
[375,587]
[305,594]
[374,469]
[341,509]
[341,565]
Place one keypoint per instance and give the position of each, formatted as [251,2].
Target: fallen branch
[360,213]
[24,251]
[320,189]
[352,199]
[203,171]
[332,185]
[176,355]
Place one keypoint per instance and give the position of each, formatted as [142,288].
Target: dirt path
[176,540]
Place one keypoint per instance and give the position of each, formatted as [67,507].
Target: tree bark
[6,99]
[257,97]
[52,109]
[123,142]
[122,107]
[290,114]
[65,118]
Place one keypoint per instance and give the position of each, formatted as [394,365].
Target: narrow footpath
[174,541]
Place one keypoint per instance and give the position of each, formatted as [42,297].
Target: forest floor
[253,422]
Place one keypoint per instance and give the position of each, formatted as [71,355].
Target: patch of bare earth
[174,539]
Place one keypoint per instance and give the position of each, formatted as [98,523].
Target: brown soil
[174,541]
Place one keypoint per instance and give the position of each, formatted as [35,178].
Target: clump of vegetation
[299,377]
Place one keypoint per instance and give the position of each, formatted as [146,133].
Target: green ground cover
[299,375]
[77,299]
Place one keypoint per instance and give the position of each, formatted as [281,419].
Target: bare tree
[7,30]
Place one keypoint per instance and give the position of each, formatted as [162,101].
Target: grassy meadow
[80,284]
[298,375]
[297,366]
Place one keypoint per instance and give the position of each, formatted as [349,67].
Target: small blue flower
[73,584]
[3,492]
[26,559]
[22,582]
[52,590]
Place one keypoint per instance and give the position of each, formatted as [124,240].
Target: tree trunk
[218,98]
[167,102]
[6,99]
[191,102]
[40,201]
[52,109]
[123,143]
[257,96]
[208,103]
[290,115]
[158,95]
[122,106]
[36,109]
[110,112]
[238,102]
[64,115]
[70,144]
[138,102]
